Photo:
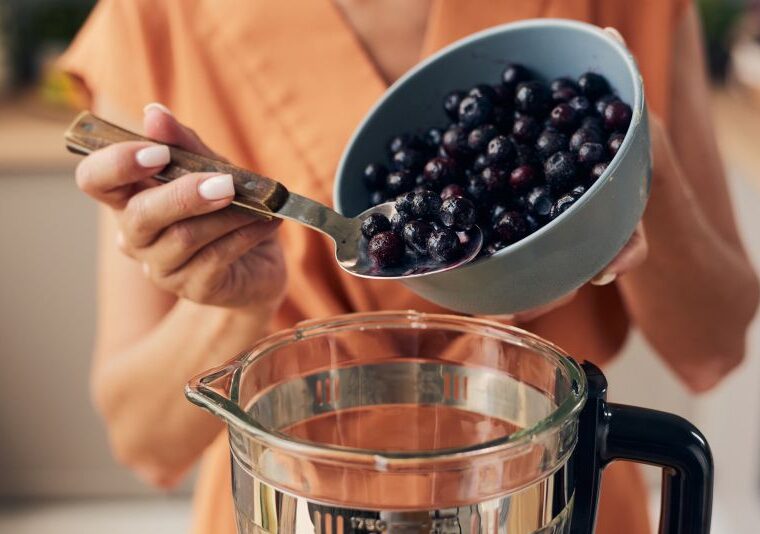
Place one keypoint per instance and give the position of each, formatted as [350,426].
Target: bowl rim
[638,108]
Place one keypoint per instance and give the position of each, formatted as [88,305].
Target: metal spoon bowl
[270,198]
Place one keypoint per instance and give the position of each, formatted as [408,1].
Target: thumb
[159,124]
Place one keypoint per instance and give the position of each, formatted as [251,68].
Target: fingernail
[146,269]
[159,106]
[153,156]
[616,34]
[603,279]
[217,187]
[120,240]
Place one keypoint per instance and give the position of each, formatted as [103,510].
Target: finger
[160,124]
[615,34]
[110,174]
[149,212]
[202,277]
[178,243]
[631,256]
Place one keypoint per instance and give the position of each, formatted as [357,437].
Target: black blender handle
[610,432]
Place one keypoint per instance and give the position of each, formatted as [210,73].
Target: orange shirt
[279,87]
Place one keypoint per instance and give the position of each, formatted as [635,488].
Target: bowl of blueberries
[537,133]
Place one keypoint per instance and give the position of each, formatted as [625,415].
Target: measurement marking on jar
[440,525]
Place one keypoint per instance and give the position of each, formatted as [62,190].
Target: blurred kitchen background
[56,473]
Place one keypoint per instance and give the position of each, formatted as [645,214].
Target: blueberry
[510,227]
[502,95]
[532,223]
[602,102]
[480,163]
[416,235]
[577,191]
[474,111]
[477,188]
[375,223]
[550,142]
[533,98]
[403,203]
[398,220]
[539,203]
[438,172]
[484,91]
[402,141]
[563,90]
[614,142]
[514,74]
[581,105]
[522,177]
[425,204]
[594,123]
[617,116]
[564,94]
[589,154]
[478,138]
[560,171]
[377,197]
[563,117]
[584,135]
[593,85]
[495,212]
[399,182]
[563,83]
[597,171]
[408,159]
[452,190]
[374,176]
[562,205]
[500,150]
[502,117]
[495,179]
[525,155]
[386,249]
[432,138]
[525,129]
[451,104]
[458,213]
[443,245]
[455,142]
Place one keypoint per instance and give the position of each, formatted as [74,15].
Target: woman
[278,87]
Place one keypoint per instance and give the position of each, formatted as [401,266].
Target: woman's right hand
[187,243]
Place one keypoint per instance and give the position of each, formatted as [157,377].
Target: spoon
[270,198]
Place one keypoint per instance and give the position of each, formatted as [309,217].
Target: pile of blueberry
[514,156]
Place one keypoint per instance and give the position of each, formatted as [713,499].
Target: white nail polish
[153,156]
[604,279]
[217,187]
[159,106]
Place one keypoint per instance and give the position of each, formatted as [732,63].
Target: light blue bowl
[570,250]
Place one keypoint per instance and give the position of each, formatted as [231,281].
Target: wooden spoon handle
[89,133]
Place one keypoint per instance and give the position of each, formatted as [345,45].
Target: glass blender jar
[418,423]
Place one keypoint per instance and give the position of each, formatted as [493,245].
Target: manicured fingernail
[217,187]
[603,279]
[616,34]
[120,240]
[153,156]
[157,105]
[146,269]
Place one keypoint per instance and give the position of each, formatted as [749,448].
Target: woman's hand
[188,244]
